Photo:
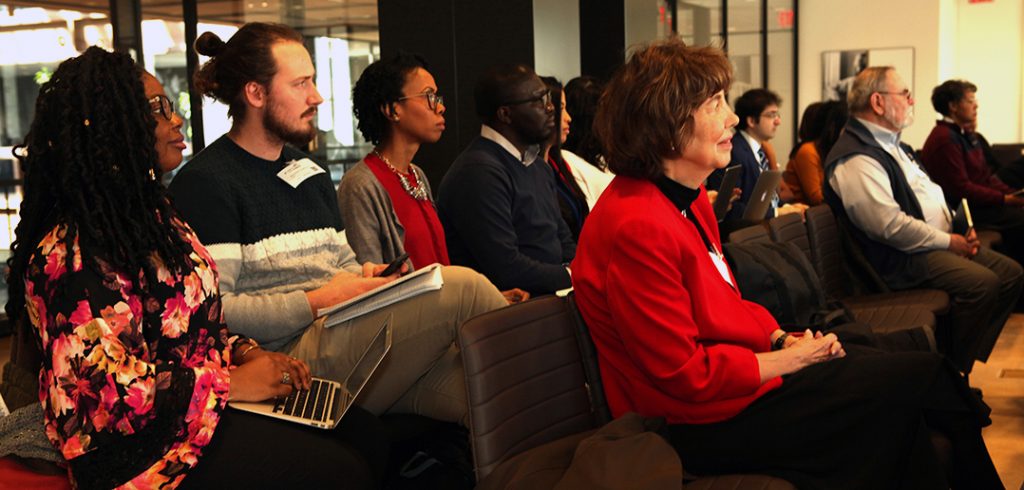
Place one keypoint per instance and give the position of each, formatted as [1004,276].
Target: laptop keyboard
[308,404]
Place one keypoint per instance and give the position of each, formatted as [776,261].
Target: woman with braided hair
[137,362]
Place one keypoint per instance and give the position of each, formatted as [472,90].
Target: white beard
[908,118]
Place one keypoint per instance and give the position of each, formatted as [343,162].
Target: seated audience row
[133,308]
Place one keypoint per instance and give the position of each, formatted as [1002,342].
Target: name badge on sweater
[297,171]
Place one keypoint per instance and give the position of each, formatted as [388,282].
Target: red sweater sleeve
[658,330]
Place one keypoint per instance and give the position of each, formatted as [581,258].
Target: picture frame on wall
[839,68]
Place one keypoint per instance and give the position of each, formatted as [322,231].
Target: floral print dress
[132,382]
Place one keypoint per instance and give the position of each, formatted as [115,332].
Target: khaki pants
[983,291]
[423,373]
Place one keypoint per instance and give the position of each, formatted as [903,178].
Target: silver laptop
[761,199]
[326,402]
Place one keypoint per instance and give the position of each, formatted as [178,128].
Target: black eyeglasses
[545,98]
[434,101]
[905,93]
[163,105]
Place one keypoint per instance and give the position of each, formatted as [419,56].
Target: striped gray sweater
[271,242]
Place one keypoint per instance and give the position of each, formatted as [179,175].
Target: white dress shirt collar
[527,157]
[753,142]
[886,138]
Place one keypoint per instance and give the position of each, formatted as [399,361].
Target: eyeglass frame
[545,97]
[434,99]
[164,109]
[906,93]
[772,115]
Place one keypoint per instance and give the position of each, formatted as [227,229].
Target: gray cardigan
[371,224]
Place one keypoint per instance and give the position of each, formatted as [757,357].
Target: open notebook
[419,282]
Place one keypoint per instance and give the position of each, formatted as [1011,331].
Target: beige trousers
[423,373]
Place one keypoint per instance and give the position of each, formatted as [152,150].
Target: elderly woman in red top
[676,340]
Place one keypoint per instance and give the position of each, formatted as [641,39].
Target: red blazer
[673,338]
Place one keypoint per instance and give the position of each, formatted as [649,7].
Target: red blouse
[673,338]
[424,235]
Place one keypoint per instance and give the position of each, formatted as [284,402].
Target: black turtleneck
[682,197]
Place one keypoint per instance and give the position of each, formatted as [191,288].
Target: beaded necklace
[418,191]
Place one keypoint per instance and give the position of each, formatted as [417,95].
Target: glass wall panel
[699,22]
[744,37]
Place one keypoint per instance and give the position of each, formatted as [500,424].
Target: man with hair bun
[269,215]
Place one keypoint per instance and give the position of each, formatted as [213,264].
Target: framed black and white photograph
[839,68]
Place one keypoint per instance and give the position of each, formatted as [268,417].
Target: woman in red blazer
[676,340]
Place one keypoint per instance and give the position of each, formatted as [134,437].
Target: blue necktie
[762,163]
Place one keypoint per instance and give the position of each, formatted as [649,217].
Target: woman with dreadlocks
[137,362]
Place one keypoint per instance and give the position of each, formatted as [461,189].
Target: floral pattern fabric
[133,380]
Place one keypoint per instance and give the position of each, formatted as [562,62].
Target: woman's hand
[816,347]
[811,348]
[264,377]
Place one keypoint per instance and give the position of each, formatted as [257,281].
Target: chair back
[826,251]
[756,233]
[525,379]
[790,228]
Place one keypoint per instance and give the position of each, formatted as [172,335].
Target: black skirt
[863,421]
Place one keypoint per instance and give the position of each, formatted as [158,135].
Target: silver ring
[286,378]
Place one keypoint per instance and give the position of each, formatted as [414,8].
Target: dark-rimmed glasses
[434,101]
[163,105]
[545,98]
[905,93]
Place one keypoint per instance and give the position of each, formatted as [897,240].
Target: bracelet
[780,342]
[251,344]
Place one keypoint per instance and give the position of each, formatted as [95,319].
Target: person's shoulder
[807,151]
[358,179]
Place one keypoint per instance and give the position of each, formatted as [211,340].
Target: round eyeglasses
[434,101]
[163,105]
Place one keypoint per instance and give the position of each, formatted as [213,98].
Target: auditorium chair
[881,317]
[532,378]
[833,261]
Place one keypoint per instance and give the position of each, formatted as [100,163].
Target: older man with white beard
[900,219]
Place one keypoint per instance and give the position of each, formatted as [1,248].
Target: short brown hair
[646,112]
[246,57]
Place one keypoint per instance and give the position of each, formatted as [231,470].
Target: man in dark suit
[758,110]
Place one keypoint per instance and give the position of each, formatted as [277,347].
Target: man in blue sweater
[497,202]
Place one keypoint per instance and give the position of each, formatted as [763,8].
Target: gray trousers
[423,372]
[983,291]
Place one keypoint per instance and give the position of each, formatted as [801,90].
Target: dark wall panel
[460,39]
[602,37]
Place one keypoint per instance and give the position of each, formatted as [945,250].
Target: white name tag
[297,171]
[722,268]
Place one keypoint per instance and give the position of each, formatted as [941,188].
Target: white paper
[419,282]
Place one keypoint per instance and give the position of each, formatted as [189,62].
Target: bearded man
[269,216]
[900,219]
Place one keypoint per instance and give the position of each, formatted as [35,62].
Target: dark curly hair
[90,164]
[950,92]
[581,97]
[381,85]
[246,57]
